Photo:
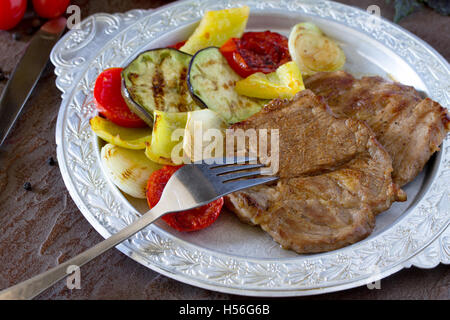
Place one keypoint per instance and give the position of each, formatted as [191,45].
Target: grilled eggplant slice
[212,84]
[156,80]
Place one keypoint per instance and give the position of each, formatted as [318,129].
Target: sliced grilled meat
[335,177]
[409,127]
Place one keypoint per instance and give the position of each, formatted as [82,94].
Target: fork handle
[32,287]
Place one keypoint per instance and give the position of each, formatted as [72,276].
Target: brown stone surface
[42,227]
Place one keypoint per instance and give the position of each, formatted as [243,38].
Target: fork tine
[239,175]
[220,162]
[237,185]
[229,169]
[195,185]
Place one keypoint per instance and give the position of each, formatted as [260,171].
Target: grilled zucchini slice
[156,80]
[212,84]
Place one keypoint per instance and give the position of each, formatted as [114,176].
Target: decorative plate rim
[421,237]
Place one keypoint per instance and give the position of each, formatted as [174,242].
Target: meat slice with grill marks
[410,128]
[334,178]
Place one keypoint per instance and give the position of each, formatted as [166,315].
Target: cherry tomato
[256,52]
[190,220]
[178,45]
[50,8]
[109,100]
[11,12]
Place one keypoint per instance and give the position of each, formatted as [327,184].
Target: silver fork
[191,186]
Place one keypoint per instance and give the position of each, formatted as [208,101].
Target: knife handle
[27,73]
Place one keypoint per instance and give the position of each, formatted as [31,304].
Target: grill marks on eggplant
[161,90]
[184,92]
[158,87]
[157,80]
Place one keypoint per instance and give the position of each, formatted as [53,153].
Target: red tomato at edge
[178,45]
[109,100]
[50,8]
[11,12]
[186,221]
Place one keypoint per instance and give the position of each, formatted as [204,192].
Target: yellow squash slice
[216,27]
[168,132]
[130,138]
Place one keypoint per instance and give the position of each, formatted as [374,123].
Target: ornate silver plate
[230,256]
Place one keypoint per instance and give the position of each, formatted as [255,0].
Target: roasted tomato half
[190,220]
[256,52]
[109,100]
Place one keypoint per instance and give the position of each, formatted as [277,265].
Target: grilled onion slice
[313,51]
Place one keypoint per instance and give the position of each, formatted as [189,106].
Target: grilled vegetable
[156,80]
[128,169]
[109,100]
[284,83]
[216,27]
[166,137]
[130,138]
[204,134]
[256,52]
[211,83]
[313,51]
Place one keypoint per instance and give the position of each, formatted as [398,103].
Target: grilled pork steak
[410,128]
[334,178]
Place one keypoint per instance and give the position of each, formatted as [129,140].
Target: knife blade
[27,73]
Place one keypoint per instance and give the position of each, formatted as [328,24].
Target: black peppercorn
[51,161]
[27,186]
[2,75]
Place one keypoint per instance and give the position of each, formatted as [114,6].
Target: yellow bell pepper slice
[129,138]
[168,132]
[284,83]
[216,27]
